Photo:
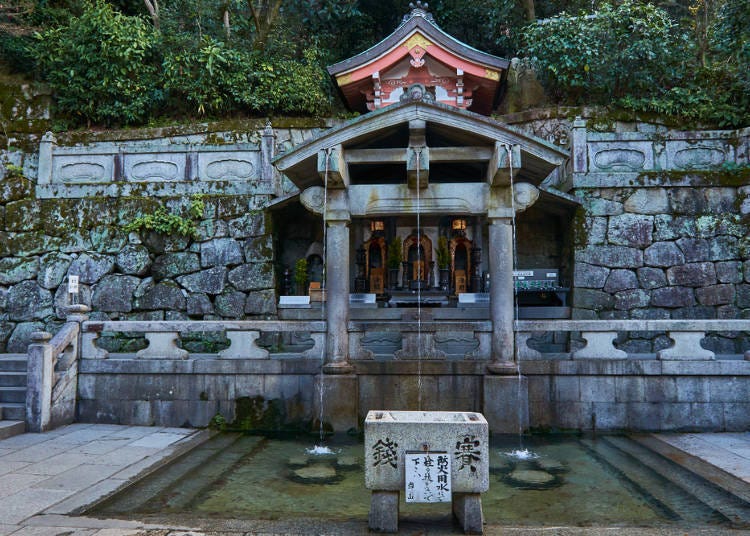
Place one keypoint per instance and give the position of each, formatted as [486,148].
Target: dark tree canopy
[686,58]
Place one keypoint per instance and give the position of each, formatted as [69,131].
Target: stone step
[12,379]
[11,428]
[12,362]
[734,508]
[717,476]
[660,493]
[13,411]
[12,394]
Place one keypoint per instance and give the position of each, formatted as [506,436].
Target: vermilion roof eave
[430,30]
[396,54]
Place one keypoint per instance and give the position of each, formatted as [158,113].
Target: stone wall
[664,228]
[642,395]
[58,217]
[226,271]
[658,253]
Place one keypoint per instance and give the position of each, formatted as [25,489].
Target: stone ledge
[640,367]
[427,368]
[199,366]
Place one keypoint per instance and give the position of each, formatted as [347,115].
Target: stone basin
[463,435]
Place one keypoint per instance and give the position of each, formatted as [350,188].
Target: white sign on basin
[428,477]
[463,436]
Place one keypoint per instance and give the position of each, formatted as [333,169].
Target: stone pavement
[45,476]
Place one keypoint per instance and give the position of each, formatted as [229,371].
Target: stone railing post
[44,171]
[77,313]
[580,149]
[39,376]
[268,172]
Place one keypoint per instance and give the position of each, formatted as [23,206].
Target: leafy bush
[16,52]
[731,38]
[216,78]
[300,275]
[100,65]
[169,224]
[206,77]
[610,53]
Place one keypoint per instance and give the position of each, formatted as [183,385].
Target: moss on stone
[729,176]
[15,188]
[23,215]
[580,228]
[237,128]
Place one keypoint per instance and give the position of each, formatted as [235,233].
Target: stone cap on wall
[613,159]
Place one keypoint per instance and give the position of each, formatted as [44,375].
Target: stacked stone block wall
[660,253]
[225,272]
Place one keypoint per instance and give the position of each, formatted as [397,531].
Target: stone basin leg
[467,507]
[384,511]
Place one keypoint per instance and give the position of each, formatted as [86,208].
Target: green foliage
[215,78]
[17,53]
[218,422]
[13,171]
[635,56]
[300,273]
[99,65]
[491,26]
[443,254]
[170,224]
[731,39]
[711,96]
[616,51]
[395,255]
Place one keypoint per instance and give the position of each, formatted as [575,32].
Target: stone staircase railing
[52,373]
[599,335]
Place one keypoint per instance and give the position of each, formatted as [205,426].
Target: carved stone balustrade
[163,337]
[600,335]
[424,341]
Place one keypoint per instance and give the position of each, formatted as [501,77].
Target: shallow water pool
[566,480]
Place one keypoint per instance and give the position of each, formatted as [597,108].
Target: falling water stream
[420,273]
[322,449]
[522,453]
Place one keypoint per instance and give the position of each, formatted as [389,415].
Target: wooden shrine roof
[420,40]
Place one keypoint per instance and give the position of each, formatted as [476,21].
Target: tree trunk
[153,11]
[528,7]
[265,13]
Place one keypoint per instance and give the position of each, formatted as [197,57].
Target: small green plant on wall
[300,275]
[394,254]
[443,254]
[170,224]
[13,171]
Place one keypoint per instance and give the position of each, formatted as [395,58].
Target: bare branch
[153,10]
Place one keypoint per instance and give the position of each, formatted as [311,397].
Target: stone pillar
[39,374]
[502,310]
[580,149]
[337,300]
[268,172]
[44,169]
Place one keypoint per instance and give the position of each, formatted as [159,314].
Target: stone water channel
[569,481]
